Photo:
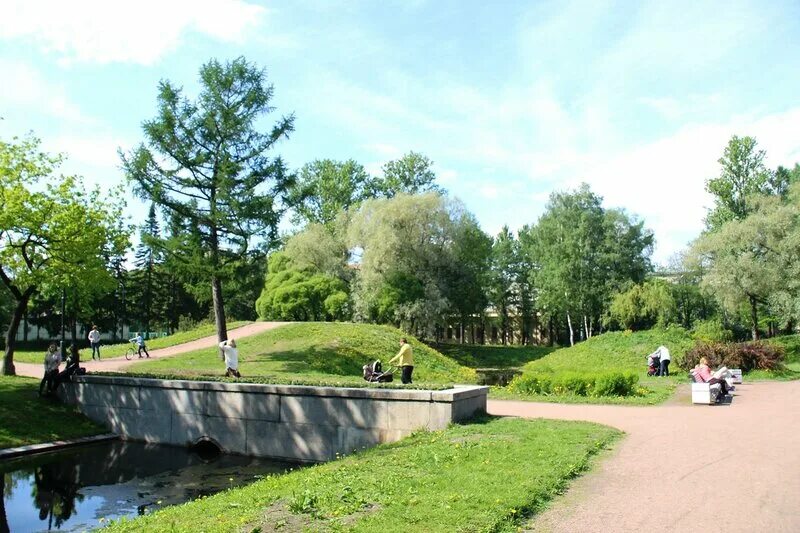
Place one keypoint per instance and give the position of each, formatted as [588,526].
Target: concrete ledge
[301,423]
[20,451]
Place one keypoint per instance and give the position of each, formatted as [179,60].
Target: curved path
[119,363]
[685,468]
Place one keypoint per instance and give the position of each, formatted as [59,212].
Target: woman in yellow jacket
[404,358]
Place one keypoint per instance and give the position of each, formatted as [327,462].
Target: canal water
[83,488]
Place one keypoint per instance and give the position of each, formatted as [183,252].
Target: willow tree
[207,162]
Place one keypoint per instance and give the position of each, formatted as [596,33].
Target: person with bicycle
[138,341]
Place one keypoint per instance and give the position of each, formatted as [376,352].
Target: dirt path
[119,363]
[686,468]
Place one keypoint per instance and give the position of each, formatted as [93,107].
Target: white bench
[703,393]
[736,376]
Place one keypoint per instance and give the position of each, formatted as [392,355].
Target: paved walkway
[686,468]
[119,363]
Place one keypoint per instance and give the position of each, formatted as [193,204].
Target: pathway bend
[734,468]
[115,364]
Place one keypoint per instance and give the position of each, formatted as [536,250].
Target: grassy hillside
[315,350]
[623,351]
[492,356]
[617,350]
[117,350]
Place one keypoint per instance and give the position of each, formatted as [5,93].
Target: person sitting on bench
[702,374]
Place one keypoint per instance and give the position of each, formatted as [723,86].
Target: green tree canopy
[208,162]
[293,293]
[411,174]
[742,175]
[581,254]
[325,188]
[750,262]
[53,234]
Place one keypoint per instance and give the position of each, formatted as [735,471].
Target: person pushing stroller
[658,362]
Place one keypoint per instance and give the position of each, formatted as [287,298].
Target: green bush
[744,355]
[711,331]
[578,384]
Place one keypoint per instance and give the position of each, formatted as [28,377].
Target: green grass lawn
[615,351]
[27,419]
[492,356]
[489,475]
[117,350]
[310,351]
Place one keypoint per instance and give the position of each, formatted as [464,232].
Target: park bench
[707,394]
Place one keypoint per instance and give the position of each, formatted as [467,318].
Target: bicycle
[130,352]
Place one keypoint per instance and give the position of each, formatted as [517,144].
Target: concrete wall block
[334,411]
[244,405]
[466,409]
[67,393]
[441,414]
[304,442]
[229,433]
[96,394]
[352,440]
[409,415]
[173,400]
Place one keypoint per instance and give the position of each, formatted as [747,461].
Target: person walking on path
[94,341]
[231,356]
[404,358]
[662,353]
[139,341]
[52,360]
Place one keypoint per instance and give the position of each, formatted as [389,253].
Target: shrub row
[745,355]
[579,384]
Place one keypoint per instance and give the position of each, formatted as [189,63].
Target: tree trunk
[571,332]
[462,329]
[586,327]
[219,309]
[754,316]
[550,333]
[11,332]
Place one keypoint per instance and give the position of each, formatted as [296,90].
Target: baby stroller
[653,365]
[373,372]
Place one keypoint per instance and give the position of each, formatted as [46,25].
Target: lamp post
[63,314]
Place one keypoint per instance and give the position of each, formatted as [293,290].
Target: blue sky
[511,100]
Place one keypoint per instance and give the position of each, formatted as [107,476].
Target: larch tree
[208,162]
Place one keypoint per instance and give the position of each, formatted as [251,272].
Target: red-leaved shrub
[745,355]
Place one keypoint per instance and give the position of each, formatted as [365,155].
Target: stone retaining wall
[280,421]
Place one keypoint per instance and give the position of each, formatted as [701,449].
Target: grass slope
[315,350]
[618,350]
[27,419]
[486,476]
[117,350]
[492,356]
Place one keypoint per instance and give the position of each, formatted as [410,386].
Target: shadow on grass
[494,356]
[322,360]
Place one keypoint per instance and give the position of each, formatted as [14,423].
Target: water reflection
[73,490]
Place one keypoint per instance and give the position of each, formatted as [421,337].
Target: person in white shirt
[231,355]
[52,360]
[94,340]
[663,354]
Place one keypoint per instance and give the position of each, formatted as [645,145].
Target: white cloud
[100,31]
[489,191]
[25,87]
